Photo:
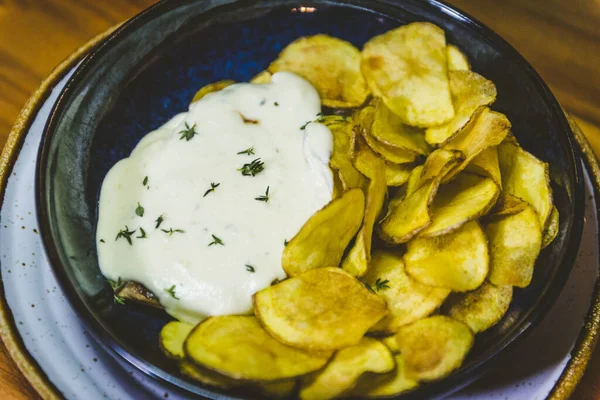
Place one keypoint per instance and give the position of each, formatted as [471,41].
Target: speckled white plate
[76,367]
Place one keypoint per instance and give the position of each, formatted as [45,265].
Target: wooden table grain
[560,38]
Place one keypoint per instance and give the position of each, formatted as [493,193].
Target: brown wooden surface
[561,38]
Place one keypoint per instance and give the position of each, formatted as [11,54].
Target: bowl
[149,69]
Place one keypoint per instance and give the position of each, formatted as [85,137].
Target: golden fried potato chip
[321,309]
[464,199]
[407,299]
[482,308]
[364,119]
[469,92]
[346,367]
[239,348]
[261,77]
[486,129]
[414,180]
[171,338]
[407,67]
[433,347]
[388,129]
[456,59]
[410,216]
[331,65]
[552,229]
[527,178]
[391,343]
[507,205]
[457,261]
[358,257]
[397,174]
[439,163]
[322,240]
[338,186]
[213,87]
[341,130]
[515,242]
[486,164]
[206,376]
[389,384]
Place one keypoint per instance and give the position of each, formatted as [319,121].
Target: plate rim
[28,366]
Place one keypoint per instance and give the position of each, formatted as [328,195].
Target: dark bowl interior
[149,70]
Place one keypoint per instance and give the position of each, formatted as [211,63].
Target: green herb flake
[381,284]
[171,231]
[249,151]
[285,242]
[303,127]
[216,241]
[159,221]
[276,104]
[265,197]
[250,268]
[253,168]
[145,181]
[171,291]
[142,234]
[118,299]
[213,186]
[125,233]
[139,211]
[102,241]
[188,133]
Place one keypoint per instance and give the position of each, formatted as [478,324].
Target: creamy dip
[189,225]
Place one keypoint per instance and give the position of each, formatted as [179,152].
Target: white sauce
[214,280]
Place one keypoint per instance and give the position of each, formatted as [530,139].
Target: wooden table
[560,38]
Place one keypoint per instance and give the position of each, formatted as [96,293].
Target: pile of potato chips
[437,214]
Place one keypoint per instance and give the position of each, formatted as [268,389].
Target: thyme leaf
[265,197]
[253,168]
[171,291]
[139,211]
[213,186]
[125,233]
[216,241]
[188,133]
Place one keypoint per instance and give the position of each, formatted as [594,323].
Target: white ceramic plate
[80,369]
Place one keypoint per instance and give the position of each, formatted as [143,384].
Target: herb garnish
[264,198]
[253,168]
[216,240]
[248,151]
[142,234]
[250,268]
[139,211]
[188,133]
[171,231]
[159,221]
[380,285]
[213,186]
[285,242]
[276,104]
[102,241]
[116,286]
[125,233]
[145,181]
[171,291]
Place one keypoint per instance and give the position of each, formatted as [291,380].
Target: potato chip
[507,205]
[346,367]
[391,344]
[206,376]
[239,348]
[439,163]
[213,87]
[486,129]
[321,309]
[261,77]
[433,347]
[338,186]
[464,199]
[388,129]
[552,229]
[456,59]
[340,157]
[486,164]
[515,242]
[358,257]
[389,384]
[457,261]
[364,120]
[407,299]
[322,240]
[407,67]
[410,216]
[482,308]
[527,178]
[470,91]
[171,338]
[331,65]
[397,174]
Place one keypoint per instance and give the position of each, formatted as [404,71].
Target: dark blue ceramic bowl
[150,68]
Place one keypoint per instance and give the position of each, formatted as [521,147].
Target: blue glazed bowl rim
[453,382]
